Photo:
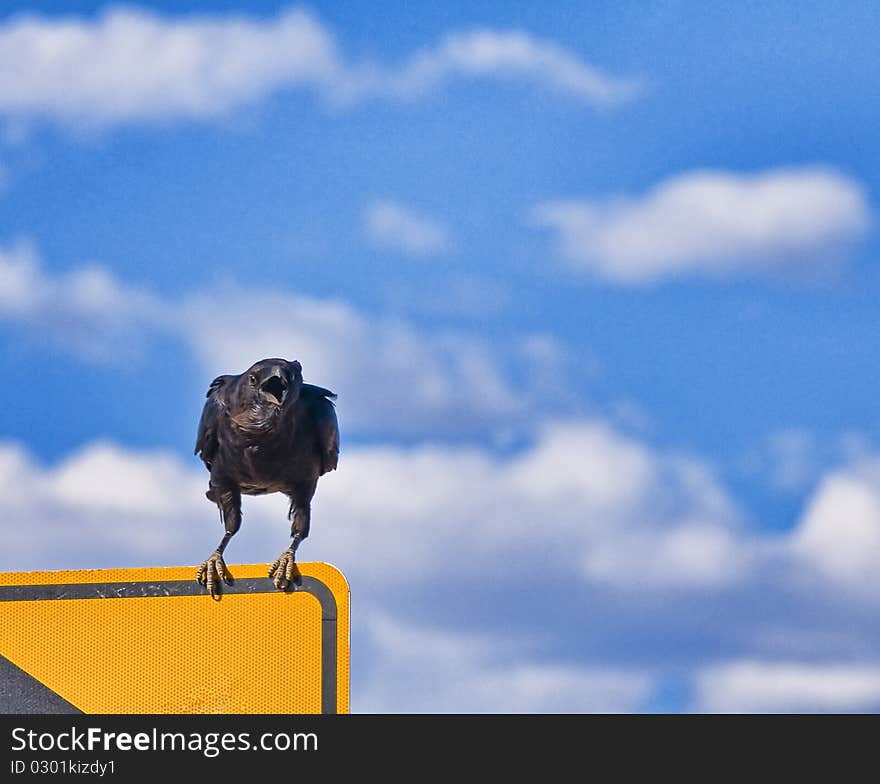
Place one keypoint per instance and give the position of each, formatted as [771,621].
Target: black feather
[265,431]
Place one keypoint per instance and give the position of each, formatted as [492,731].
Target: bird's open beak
[274,388]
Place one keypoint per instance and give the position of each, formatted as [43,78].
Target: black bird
[265,431]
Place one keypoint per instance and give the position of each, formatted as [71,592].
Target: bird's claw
[284,569]
[212,572]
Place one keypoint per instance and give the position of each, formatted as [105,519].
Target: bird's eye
[253,379]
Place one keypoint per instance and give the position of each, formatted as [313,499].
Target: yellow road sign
[152,641]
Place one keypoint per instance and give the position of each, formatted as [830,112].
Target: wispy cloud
[612,511]
[840,531]
[420,668]
[389,224]
[711,223]
[132,519]
[393,374]
[602,507]
[396,376]
[87,309]
[488,53]
[755,686]
[129,65]
[406,523]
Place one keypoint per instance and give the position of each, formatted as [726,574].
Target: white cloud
[128,64]
[786,687]
[507,54]
[86,309]
[423,669]
[698,553]
[581,487]
[839,533]
[713,223]
[388,372]
[391,225]
[73,516]
[600,507]
[391,374]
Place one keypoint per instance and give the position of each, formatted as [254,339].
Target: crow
[265,431]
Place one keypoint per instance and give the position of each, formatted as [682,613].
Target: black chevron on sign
[22,693]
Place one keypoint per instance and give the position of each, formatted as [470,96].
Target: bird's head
[264,389]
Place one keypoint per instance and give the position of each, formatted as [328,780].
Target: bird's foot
[284,569]
[212,572]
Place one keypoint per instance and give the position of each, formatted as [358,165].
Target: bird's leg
[284,567]
[214,570]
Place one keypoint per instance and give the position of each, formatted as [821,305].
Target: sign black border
[159,588]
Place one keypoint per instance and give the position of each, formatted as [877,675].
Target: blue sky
[594,282]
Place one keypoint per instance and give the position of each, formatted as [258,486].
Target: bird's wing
[206,440]
[323,412]
[311,391]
